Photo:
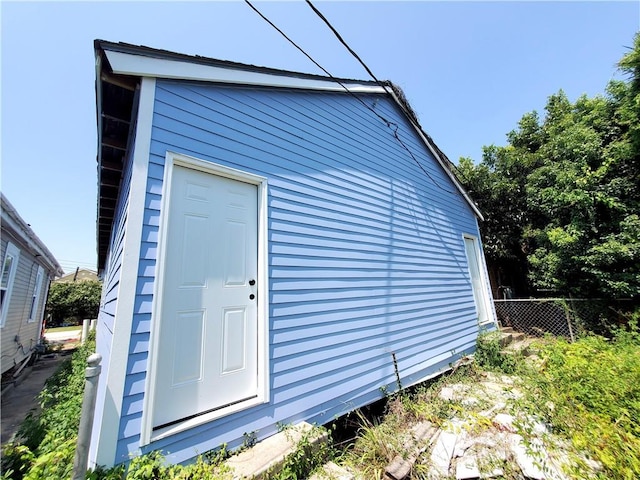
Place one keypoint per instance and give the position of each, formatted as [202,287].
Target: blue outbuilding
[269,241]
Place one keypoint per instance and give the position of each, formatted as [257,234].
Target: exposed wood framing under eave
[128,83]
[112,166]
[115,97]
[116,143]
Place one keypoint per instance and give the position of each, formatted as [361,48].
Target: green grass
[76,328]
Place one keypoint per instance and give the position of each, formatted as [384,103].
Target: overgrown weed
[589,392]
[308,456]
[46,440]
[586,393]
[379,441]
[490,355]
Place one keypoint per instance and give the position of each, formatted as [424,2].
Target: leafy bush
[16,460]
[489,354]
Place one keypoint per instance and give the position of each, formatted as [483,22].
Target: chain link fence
[562,317]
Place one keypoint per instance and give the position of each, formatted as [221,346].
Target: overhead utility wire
[392,125]
[290,41]
[364,65]
[317,64]
[339,37]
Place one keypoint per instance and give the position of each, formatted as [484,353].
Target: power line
[391,125]
[285,36]
[408,114]
[312,60]
[317,64]
[335,32]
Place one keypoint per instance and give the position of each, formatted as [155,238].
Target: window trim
[14,252]
[35,297]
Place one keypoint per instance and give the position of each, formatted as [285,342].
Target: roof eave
[12,219]
[113,118]
[124,59]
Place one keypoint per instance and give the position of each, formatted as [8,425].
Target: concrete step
[509,335]
[520,347]
[269,455]
[517,336]
[505,339]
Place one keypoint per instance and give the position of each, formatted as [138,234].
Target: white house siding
[17,321]
[366,252]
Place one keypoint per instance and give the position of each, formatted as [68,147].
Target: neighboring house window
[9,267]
[35,298]
[478,283]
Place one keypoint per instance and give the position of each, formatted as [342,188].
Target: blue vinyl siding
[366,255]
[109,300]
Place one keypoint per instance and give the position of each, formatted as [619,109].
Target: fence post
[91,374]
[566,313]
[85,330]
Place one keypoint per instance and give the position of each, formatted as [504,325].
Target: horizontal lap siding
[366,255]
[19,306]
[109,300]
[133,401]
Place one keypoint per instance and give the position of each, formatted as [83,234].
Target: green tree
[73,301]
[562,198]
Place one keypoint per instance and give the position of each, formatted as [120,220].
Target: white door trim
[484,277]
[172,159]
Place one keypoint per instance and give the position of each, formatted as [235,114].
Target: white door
[477,280]
[207,356]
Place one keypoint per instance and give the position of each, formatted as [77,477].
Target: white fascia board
[143,66]
[439,160]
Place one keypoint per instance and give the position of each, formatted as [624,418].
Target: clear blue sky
[470,71]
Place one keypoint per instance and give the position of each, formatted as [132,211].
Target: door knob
[252,296]
[252,282]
